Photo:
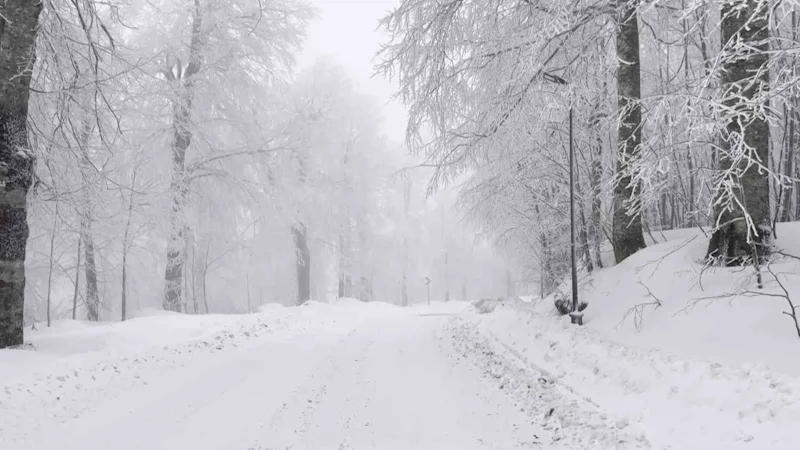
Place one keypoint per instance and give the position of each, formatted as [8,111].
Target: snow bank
[664,297]
[440,308]
[269,307]
[680,403]
[76,343]
[698,356]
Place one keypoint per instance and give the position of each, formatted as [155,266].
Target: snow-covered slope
[715,314]
[696,357]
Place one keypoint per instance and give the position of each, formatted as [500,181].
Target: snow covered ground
[373,376]
[315,377]
[715,314]
[677,403]
[695,357]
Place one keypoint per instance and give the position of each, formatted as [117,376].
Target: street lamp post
[576,316]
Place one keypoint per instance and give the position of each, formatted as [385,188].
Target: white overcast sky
[346,31]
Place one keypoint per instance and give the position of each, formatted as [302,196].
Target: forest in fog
[176,156]
[399,224]
[183,162]
[685,115]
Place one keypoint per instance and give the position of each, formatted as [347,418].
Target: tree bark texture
[86,219]
[18,28]
[745,79]
[627,229]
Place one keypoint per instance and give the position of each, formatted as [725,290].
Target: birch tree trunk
[181,140]
[745,136]
[627,229]
[18,27]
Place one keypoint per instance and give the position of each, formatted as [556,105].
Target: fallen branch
[792,313]
[661,259]
[638,310]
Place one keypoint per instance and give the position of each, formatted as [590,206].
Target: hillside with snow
[664,296]
[699,356]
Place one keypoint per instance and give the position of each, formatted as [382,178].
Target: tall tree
[18,28]
[86,218]
[742,205]
[182,139]
[627,227]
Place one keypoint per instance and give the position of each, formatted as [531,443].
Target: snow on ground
[688,355]
[688,374]
[321,376]
[677,403]
[705,313]
[75,364]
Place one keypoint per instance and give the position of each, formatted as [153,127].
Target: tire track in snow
[289,425]
[573,420]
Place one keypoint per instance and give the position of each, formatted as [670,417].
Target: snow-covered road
[396,381]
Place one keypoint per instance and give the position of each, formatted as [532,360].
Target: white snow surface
[350,375]
[320,376]
[695,357]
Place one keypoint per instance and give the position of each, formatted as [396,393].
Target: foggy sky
[346,32]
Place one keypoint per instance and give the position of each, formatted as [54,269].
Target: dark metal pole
[575,317]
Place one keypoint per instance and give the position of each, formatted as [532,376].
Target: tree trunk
[92,295]
[627,228]
[194,279]
[446,257]
[181,140]
[86,218]
[406,210]
[50,268]
[510,291]
[303,264]
[689,159]
[125,247]
[596,178]
[745,80]
[77,280]
[18,22]
[779,167]
[205,276]
[345,280]
[124,303]
[794,103]
[789,166]
[583,232]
